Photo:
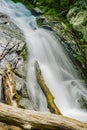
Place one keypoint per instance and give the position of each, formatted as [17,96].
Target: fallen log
[50,98]
[28,120]
[11,96]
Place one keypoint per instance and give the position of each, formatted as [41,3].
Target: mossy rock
[77,16]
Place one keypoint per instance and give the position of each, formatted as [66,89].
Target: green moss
[39,22]
[80,58]
[24,52]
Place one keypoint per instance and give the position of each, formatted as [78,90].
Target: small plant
[83,103]
[24,52]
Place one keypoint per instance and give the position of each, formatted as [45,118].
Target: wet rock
[47,27]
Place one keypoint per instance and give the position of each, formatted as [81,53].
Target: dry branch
[28,120]
[50,99]
[11,96]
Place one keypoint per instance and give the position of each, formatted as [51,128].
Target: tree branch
[50,99]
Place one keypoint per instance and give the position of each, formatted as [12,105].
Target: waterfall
[59,73]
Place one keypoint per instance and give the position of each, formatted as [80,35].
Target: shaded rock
[23,92]
[37,11]
[25,103]
[47,27]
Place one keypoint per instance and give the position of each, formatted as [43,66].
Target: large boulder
[13,50]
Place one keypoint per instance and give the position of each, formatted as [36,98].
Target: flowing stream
[58,71]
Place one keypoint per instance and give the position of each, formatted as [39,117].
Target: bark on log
[11,96]
[9,127]
[50,99]
[28,120]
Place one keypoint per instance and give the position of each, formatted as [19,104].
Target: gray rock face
[12,43]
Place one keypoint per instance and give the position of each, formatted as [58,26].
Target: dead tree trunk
[11,96]
[28,120]
[50,99]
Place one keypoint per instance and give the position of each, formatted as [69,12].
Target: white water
[58,71]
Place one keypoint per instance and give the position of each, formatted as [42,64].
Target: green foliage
[80,58]
[52,11]
[59,5]
[39,22]
[27,3]
[49,6]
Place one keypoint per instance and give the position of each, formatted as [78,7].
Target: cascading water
[58,71]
